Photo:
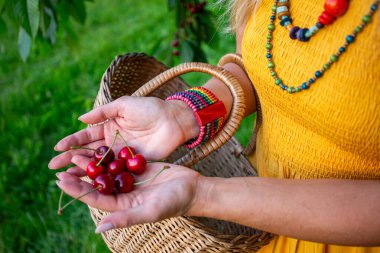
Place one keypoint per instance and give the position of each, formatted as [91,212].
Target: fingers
[76,171]
[81,161]
[64,159]
[74,186]
[102,113]
[80,138]
[126,218]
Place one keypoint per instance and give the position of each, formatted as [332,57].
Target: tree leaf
[3,26]
[186,50]
[1,4]
[21,14]
[48,24]
[78,11]
[172,4]
[24,44]
[199,54]
[52,28]
[33,15]
[209,32]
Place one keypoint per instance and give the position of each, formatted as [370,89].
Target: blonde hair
[239,11]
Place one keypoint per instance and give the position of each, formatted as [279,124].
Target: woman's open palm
[170,194]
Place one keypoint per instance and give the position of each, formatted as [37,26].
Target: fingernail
[81,117]
[49,166]
[56,147]
[57,182]
[104,227]
[57,174]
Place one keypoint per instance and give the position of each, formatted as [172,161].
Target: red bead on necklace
[333,10]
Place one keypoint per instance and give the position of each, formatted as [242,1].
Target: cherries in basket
[113,176]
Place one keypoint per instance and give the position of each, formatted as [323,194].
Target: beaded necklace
[366,19]
[333,10]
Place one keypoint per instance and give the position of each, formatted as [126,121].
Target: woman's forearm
[327,210]
[223,93]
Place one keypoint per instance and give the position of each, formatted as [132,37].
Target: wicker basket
[140,75]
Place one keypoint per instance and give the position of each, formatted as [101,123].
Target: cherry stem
[109,149]
[125,142]
[60,209]
[80,147]
[153,177]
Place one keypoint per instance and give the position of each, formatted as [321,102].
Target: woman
[319,97]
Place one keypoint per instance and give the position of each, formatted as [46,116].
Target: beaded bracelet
[209,112]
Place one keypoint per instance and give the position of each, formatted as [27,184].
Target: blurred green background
[41,100]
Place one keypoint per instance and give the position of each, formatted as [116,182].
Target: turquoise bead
[270,65]
[350,38]
[269,46]
[274,8]
[278,81]
[290,90]
[271,27]
[308,33]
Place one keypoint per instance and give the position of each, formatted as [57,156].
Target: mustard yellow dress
[331,130]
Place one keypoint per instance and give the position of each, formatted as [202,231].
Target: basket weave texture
[137,74]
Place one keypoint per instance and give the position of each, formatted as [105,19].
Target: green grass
[40,101]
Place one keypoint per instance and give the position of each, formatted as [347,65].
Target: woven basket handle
[236,58]
[234,119]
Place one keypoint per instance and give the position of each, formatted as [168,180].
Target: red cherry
[115,167]
[106,182]
[99,153]
[93,170]
[175,43]
[200,7]
[125,153]
[136,164]
[124,182]
[193,10]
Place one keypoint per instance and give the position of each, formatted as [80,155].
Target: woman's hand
[172,193]
[155,128]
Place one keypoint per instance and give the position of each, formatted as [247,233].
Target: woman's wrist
[202,196]
[186,121]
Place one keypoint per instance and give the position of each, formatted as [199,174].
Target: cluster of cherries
[110,175]
[115,175]
[194,9]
